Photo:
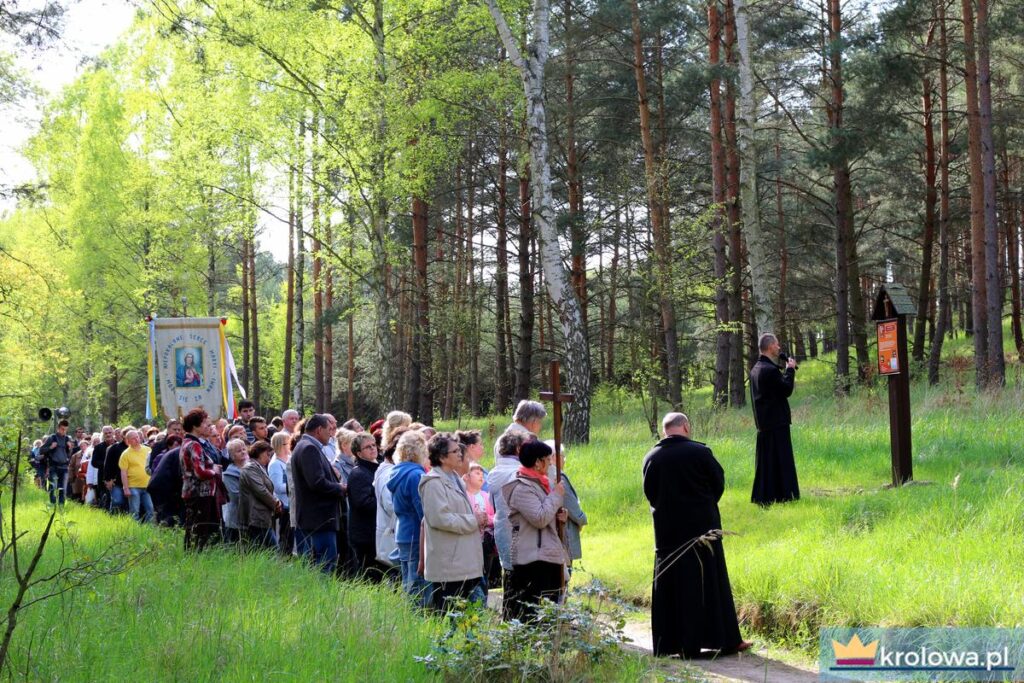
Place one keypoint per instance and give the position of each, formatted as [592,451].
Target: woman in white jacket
[453,559]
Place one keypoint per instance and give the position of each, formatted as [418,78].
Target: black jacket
[362,503]
[770,388]
[99,457]
[683,483]
[318,493]
[154,454]
[112,463]
[61,455]
[165,484]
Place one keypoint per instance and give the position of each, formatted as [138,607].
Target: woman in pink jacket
[538,555]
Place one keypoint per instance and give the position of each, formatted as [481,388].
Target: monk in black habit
[691,606]
[770,388]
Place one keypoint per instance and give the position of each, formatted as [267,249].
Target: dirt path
[753,666]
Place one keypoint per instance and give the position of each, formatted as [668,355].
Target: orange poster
[888,353]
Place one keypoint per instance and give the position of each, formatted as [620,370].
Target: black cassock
[775,470]
[691,606]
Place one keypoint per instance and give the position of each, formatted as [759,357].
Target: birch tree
[576,358]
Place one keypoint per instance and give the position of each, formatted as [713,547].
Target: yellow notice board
[888,349]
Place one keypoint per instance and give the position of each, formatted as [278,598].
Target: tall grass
[218,616]
[215,616]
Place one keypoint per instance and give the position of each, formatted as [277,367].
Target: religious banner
[190,366]
[888,356]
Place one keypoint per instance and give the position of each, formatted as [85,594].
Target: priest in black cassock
[691,606]
[770,388]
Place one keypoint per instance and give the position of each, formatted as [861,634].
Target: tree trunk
[979,317]
[243,258]
[388,386]
[780,217]
[526,297]
[857,287]
[663,257]
[318,264]
[737,366]
[576,358]
[924,297]
[1013,261]
[472,336]
[944,313]
[993,286]
[762,278]
[350,351]
[286,377]
[613,279]
[841,196]
[720,383]
[577,232]
[502,389]
[256,394]
[798,342]
[421,392]
[300,273]
[329,315]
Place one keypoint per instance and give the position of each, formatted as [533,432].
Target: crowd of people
[403,502]
[398,501]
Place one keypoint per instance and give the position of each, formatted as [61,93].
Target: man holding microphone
[770,388]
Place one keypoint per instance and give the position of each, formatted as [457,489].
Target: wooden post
[892,305]
[899,412]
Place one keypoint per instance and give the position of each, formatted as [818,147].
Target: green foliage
[580,640]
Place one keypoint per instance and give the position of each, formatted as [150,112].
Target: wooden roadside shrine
[892,306]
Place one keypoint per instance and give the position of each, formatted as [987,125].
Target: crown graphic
[855,652]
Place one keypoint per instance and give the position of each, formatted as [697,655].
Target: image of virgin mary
[188,375]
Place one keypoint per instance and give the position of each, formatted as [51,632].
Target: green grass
[850,551]
[216,616]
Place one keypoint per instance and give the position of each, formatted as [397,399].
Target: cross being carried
[557,398]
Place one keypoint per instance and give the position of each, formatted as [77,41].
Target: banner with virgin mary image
[190,366]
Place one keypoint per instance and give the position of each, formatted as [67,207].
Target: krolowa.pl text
[926,658]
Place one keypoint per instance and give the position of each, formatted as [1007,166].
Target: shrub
[579,640]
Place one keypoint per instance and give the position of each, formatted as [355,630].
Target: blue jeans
[58,478]
[412,583]
[117,499]
[140,498]
[320,546]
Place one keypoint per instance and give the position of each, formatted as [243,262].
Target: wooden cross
[557,398]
